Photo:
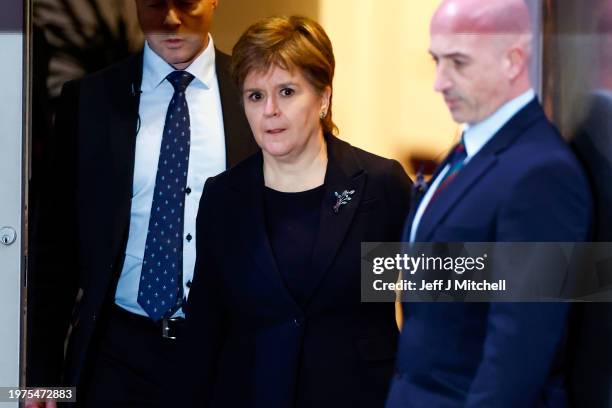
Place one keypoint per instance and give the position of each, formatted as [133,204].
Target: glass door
[13,180]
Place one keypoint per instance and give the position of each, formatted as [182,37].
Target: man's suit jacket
[247,333]
[85,215]
[523,185]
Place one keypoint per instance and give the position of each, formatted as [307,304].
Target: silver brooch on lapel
[342,199]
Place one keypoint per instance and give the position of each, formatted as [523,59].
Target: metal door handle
[7,236]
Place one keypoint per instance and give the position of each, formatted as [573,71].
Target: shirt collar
[477,135]
[155,69]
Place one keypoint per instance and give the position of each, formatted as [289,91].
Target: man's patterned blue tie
[160,290]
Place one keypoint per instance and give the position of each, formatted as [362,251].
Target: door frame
[14,153]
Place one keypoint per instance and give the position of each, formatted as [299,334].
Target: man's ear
[516,60]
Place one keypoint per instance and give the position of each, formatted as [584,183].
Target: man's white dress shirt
[207,158]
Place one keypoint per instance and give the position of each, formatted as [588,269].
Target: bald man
[510,179]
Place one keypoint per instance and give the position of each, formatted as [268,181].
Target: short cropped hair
[289,43]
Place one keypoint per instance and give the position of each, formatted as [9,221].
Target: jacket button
[93,317]
[297,322]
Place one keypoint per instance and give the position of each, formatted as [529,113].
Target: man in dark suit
[135,144]
[512,178]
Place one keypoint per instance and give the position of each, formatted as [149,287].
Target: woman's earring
[323,114]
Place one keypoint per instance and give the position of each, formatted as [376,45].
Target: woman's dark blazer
[248,341]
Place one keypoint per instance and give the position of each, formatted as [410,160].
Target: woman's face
[283,110]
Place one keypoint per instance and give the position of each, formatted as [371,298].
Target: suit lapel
[249,184]
[447,198]
[124,97]
[343,174]
[475,169]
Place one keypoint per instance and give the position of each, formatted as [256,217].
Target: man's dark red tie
[456,163]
